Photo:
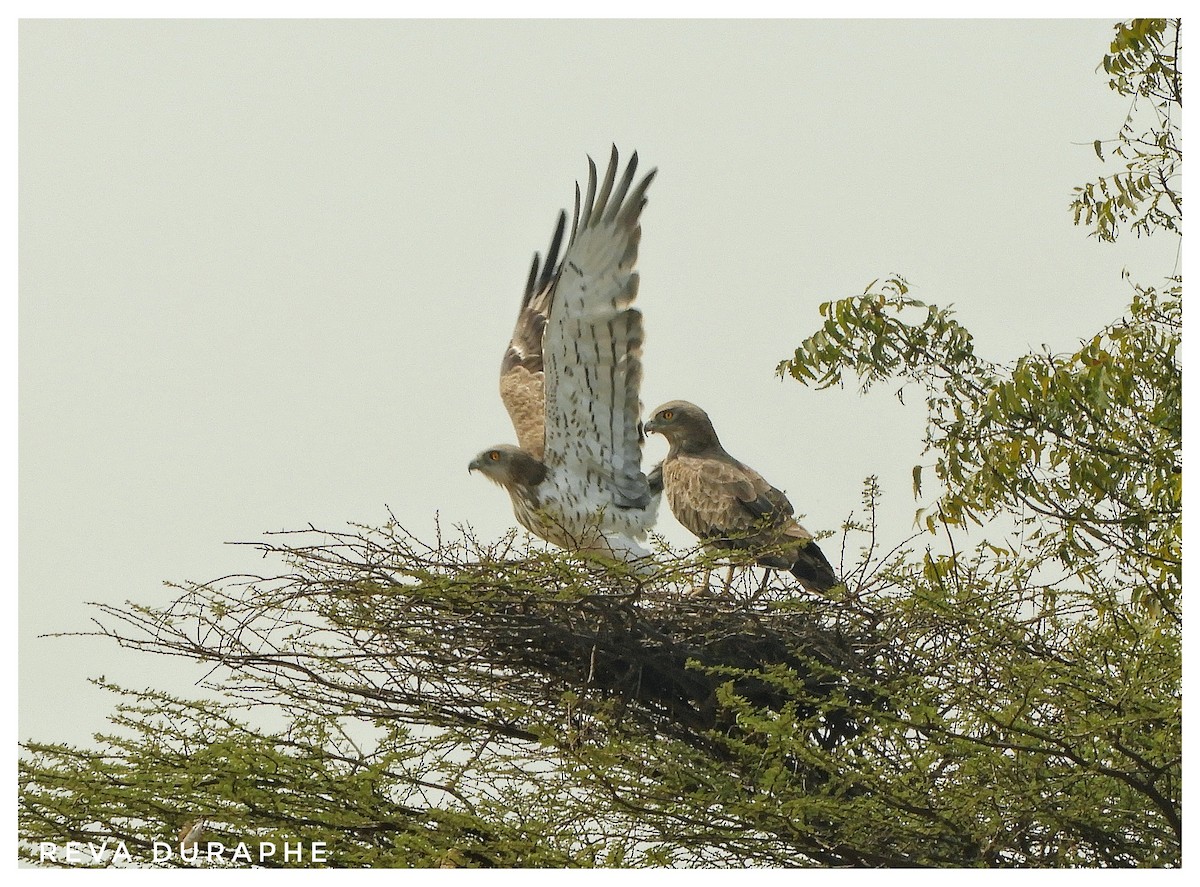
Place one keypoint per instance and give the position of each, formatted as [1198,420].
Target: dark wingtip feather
[637,200]
[610,176]
[531,283]
[813,569]
[586,215]
[538,282]
[618,197]
[575,217]
[550,270]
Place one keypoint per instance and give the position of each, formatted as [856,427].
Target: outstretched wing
[521,370]
[593,344]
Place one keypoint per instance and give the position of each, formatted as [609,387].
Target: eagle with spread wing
[570,380]
[730,505]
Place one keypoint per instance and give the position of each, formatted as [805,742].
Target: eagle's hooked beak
[650,427]
[475,465]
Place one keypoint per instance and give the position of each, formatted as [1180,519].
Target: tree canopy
[1002,688]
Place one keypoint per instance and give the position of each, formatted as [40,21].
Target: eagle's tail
[813,570]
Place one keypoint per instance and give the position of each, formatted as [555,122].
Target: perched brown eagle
[728,504]
[570,380]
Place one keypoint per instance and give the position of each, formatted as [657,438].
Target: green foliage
[465,704]
[173,762]
[438,700]
[1082,451]
[1001,732]
[1053,734]
[1142,65]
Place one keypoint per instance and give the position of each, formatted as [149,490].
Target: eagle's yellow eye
[668,414]
[494,456]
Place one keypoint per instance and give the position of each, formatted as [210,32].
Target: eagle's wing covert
[593,343]
[522,386]
[771,508]
[708,495]
[765,502]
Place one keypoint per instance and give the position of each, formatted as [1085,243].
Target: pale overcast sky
[268,268]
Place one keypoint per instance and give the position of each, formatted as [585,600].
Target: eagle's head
[682,424]
[509,466]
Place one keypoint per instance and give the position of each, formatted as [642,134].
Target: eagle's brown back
[718,498]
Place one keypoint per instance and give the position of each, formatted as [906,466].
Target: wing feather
[718,497]
[592,346]
[609,177]
[522,370]
[587,203]
[618,197]
[703,493]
